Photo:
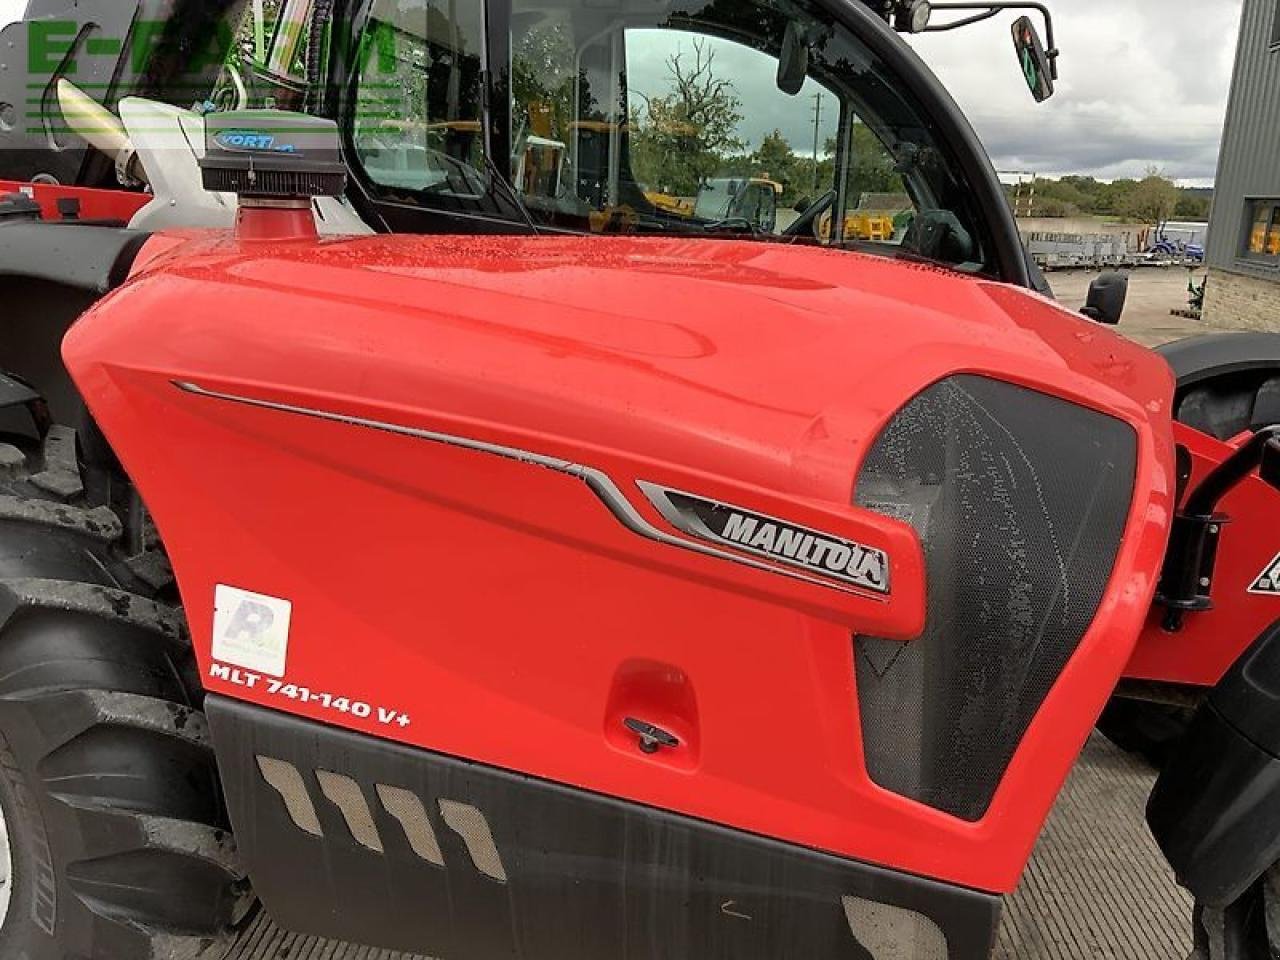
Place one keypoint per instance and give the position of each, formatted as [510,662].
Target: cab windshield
[756,119]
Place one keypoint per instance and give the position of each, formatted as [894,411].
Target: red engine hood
[501,597]
[775,365]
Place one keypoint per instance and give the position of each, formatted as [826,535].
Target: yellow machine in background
[861,225]
[754,199]
[679,206]
[1265,239]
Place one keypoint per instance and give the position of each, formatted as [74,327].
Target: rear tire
[1248,929]
[1147,730]
[118,835]
[1226,407]
[1227,384]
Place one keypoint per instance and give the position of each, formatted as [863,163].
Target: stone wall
[1240,302]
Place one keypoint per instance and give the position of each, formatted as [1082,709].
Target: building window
[1263,242]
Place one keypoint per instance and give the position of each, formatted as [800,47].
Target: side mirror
[793,63]
[1107,296]
[1036,66]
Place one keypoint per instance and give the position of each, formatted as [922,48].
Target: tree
[871,166]
[682,137]
[1191,206]
[1052,207]
[1067,197]
[1074,195]
[776,160]
[1152,200]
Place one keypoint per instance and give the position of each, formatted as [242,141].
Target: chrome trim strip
[599,482]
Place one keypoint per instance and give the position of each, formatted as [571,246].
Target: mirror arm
[989,10]
[963,22]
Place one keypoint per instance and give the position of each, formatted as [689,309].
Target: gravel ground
[1153,292]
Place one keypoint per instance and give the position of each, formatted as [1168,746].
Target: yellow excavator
[754,199]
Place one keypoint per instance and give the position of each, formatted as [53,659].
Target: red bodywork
[1207,643]
[499,604]
[94,204]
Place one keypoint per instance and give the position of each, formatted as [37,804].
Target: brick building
[1244,236]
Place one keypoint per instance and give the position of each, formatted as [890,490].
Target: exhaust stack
[102,129]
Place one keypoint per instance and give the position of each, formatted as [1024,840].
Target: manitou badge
[822,554]
[1268,583]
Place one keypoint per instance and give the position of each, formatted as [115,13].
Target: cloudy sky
[1144,83]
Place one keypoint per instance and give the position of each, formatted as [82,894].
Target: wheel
[1248,929]
[1226,407]
[1227,382]
[114,840]
[1147,730]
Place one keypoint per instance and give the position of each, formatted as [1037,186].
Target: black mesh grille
[1021,501]
[274,183]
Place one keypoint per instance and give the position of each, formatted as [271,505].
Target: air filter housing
[1020,500]
[273,154]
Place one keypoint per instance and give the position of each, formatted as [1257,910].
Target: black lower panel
[354,838]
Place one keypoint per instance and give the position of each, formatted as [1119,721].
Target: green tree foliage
[680,139]
[1153,199]
[1192,206]
[776,160]
[872,168]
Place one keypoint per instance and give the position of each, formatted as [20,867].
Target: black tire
[1248,929]
[108,783]
[1226,407]
[1227,384]
[1147,730]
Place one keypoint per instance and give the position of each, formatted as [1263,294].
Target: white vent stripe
[285,779]
[894,933]
[469,823]
[345,794]
[412,814]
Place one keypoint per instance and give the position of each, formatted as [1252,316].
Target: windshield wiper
[513,195]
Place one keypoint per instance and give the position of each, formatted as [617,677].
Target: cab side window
[877,205]
[568,114]
[419,98]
